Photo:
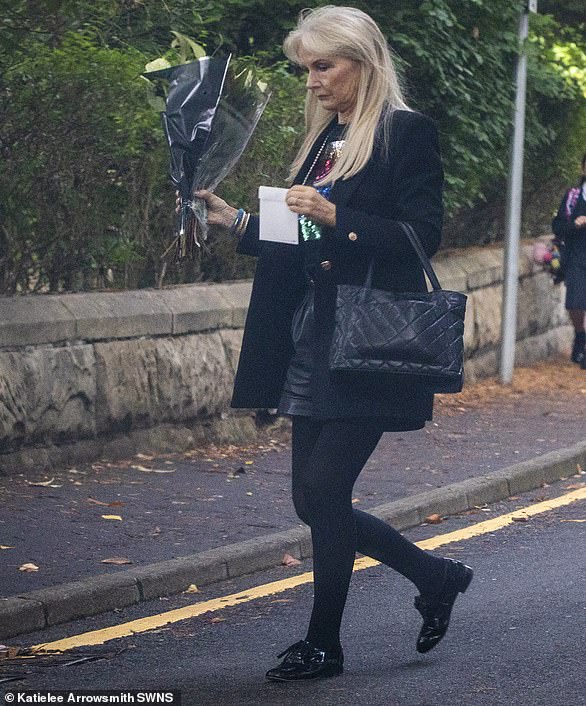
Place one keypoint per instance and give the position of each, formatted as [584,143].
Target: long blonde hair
[347,32]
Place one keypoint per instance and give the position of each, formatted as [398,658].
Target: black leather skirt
[296,397]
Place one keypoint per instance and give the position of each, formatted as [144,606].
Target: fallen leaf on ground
[434,519]
[218,620]
[575,486]
[572,520]
[9,651]
[520,518]
[111,517]
[289,560]
[44,483]
[116,560]
[114,503]
[192,588]
[155,533]
[153,470]
[28,568]
[144,457]
[5,546]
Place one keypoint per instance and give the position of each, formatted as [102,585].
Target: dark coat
[574,238]
[405,185]
[573,252]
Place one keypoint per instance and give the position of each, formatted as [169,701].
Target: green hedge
[85,199]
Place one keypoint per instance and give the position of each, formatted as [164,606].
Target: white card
[277,222]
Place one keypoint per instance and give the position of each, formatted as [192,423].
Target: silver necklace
[317,156]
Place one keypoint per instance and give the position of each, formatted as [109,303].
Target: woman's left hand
[580,222]
[309,202]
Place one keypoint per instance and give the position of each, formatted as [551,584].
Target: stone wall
[86,376]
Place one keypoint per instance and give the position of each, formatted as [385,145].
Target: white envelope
[277,222]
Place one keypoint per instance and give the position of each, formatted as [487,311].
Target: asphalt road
[180,505]
[517,635]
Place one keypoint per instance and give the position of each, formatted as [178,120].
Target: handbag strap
[418,247]
[420,252]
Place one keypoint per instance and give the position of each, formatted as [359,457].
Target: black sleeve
[416,193]
[562,228]
[249,243]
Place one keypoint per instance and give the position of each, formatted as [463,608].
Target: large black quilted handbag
[411,336]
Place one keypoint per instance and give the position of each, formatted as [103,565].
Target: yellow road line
[98,637]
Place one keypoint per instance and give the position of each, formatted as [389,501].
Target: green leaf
[188,49]
[157,65]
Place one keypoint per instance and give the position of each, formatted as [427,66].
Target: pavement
[109,535]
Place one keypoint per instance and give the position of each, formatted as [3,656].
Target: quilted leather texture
[417,335]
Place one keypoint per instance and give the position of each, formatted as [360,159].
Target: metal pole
[513,213]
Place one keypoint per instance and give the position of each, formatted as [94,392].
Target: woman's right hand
[219,212]
[580,222]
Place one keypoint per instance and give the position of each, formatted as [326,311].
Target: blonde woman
[367,162]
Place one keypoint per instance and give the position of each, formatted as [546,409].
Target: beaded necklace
[309,229]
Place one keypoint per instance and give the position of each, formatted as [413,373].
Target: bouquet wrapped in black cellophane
[211,111]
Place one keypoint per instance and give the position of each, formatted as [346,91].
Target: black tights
[327,459]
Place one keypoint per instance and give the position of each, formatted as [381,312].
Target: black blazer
[403,185]
[574,238]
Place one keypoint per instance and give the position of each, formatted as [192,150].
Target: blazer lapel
[344,189]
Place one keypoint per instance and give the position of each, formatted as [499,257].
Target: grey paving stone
[443,501]
[400,514]
[485,490]
[33,320]
[110,315]
[175,575]
[523,476]
[18,616]
[198,308]
[237,295]
[257,554]
[83,598]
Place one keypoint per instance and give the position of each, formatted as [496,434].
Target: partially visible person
[569,226]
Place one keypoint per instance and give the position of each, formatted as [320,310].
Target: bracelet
[237,221]
[242,226]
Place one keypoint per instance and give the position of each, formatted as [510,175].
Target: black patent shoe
[304,661]
[436,608]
